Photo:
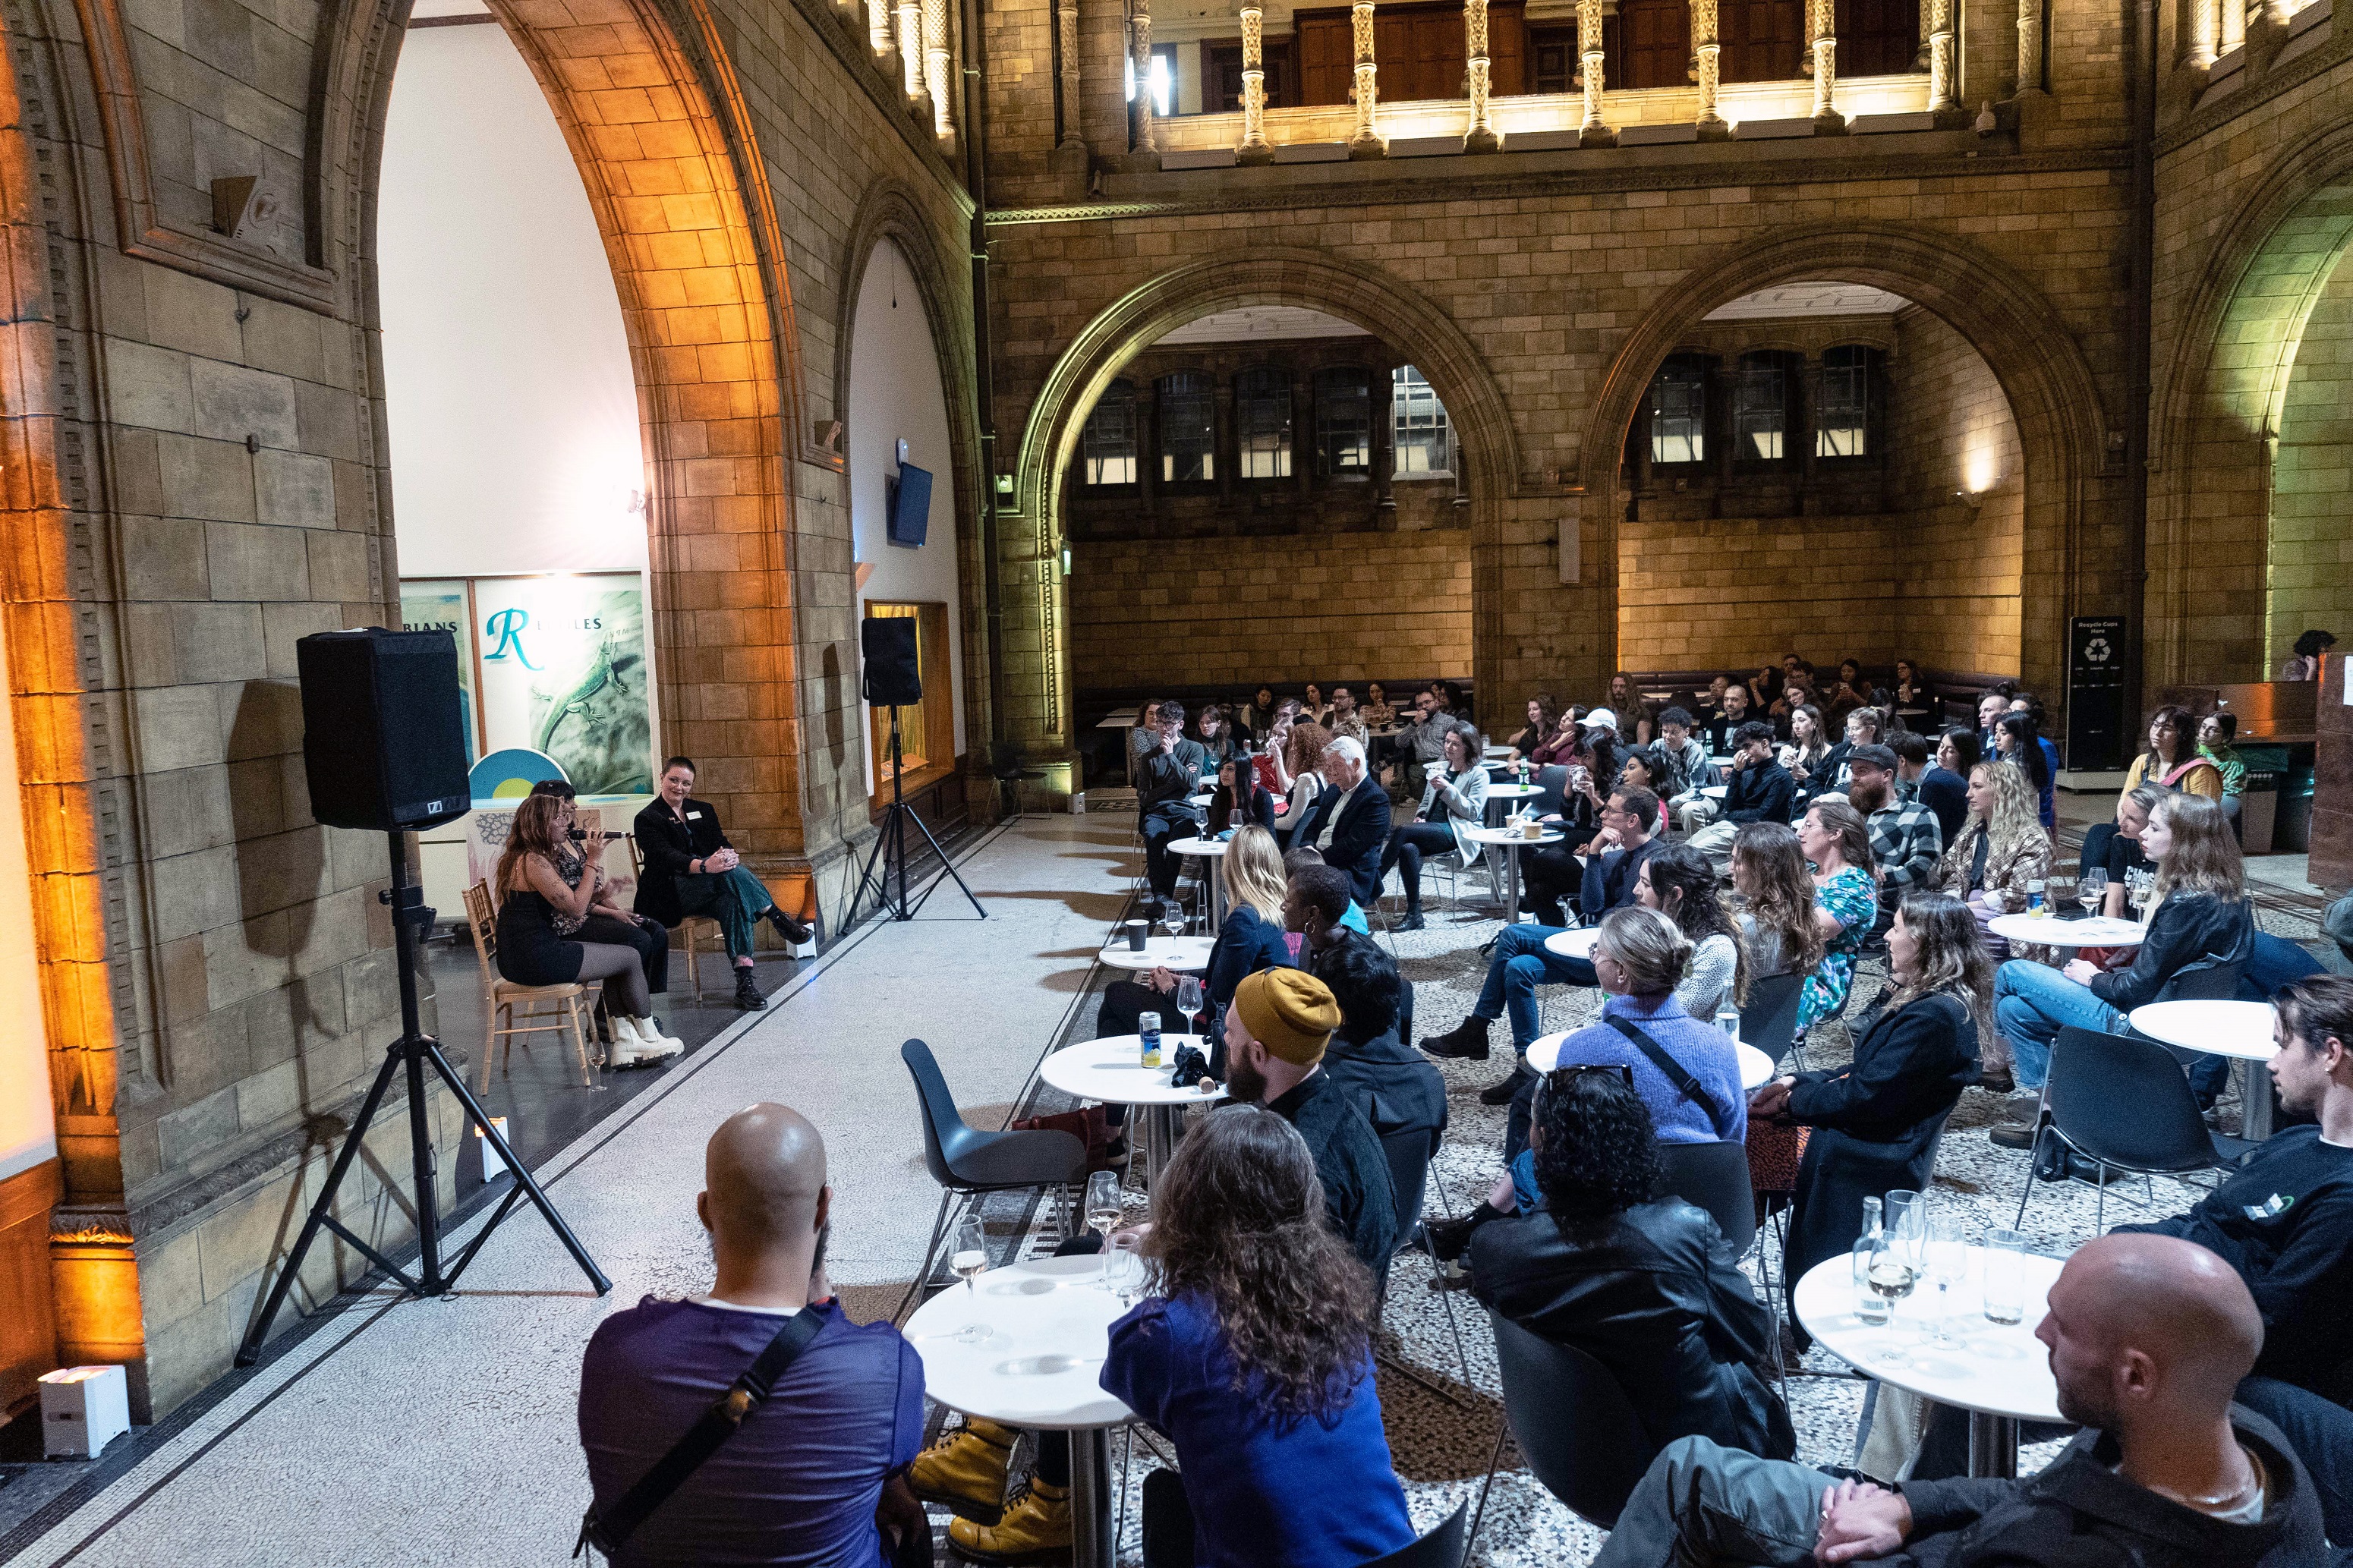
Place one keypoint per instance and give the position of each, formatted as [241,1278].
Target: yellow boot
[1036,1528]
[966,1469]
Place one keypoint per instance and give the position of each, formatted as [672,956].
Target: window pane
[1418,422]
[1344,420]
[1679,413]
[1760,410]
[1842,416]
[1262,422]
[1107,445]
[1189,428]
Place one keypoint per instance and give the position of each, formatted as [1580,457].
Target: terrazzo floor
[440,1432]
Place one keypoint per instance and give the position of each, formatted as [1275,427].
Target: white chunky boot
[648,1045]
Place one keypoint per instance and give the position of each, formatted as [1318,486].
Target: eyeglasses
[1561,1078]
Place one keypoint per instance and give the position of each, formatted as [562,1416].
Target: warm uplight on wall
[1981,466]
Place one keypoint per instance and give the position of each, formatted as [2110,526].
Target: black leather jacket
[2189,931]
[1660,1300]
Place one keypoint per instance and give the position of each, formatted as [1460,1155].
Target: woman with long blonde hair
[1999,849]
[534,901]
[2199,919]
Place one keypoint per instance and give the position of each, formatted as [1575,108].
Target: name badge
[694,817]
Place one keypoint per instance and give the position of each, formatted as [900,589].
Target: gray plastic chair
[1441,1548]
[1712,1178]
[2121,1103]
[1769,1022]
[1574,1424]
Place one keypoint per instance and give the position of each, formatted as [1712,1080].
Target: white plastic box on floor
[83,1408]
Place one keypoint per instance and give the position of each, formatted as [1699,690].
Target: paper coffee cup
[1136,931]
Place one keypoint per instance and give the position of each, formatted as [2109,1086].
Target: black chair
[1574,1424]
[1769,1022]
[1553,780]
[1408,1156]
[966,1161]
[1005,767]
[1714,1178]
[1441,1548]
[2123,1104]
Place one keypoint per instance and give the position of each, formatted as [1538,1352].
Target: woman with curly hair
[1643,1283]
[1253,1354]
[1303,752]
[1680,883]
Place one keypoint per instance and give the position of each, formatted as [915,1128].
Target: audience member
[1302,760]
[2303,660]
[2147,1337]
[2001,849]
[1377,710]
[1780,935]
[1911,749]
[1688,769]
[1990,707]
[2172,759]
[1318,903]
[634,1040]
[1877,1119]
[1274,741]
[2199,917]
[815,1473]
[1424,743]
[2017,744]
[1252,939]
[1564,745]
[1399,1092]
[1348,820]
[1312,706]
[1344,718]
[2114,847]
[1277,1030]
[1632,713]
[1167,775]
[2215,734]
[1599,877]
[1806,751]
[1906,841]
[1256,804]
[1909,689]
[1253,1355]
[1760,790]
[1862,727]
[1453,801]
[1678,882]
[1258,718]
[1846,902]
[1711,701]
[1643,1283]
[1848,693]
[1945,788]
[1723,722]
[1544,720]
[1214,735]
[690,868]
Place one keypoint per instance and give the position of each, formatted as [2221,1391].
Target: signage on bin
[2096,721]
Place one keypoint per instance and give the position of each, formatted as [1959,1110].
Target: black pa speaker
[891,678]
[384,733]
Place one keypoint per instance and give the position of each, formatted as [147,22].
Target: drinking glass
[1890,1278]
[2092,889]
[969,1260]
[1128,1267]
[1189,1002]
[1172,915]
[1947,1254]
[1103,1209]
[2005,1277]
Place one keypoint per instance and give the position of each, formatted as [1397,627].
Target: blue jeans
[1519,966]
[2031,1002]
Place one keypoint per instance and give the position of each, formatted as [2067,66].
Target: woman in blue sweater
[1254,1355]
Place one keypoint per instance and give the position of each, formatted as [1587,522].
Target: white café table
[1510,840]
[1177,955]
[2050,930]
[1109,1072]
[1574,943]
[1756,1067]
[1041,1367]
[1502,797]
[1212,878]
[2240,1030]
[2000,1373]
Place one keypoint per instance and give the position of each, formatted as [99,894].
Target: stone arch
[1422,331]
[2062,419]
[2218,419]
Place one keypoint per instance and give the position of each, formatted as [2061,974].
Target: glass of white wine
[2092,889]
[1172,915]
[1189,1002]
[1103,1209]
[1890,1279]
[969,1260]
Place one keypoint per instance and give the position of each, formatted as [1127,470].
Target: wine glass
[1172,915]
[1103,1209]
[2092,889]
[1189,1002]
[1890,1278]
[1945,1252]
[969,1260]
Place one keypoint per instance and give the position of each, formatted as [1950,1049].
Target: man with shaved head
[2148,1336]
[812,1476]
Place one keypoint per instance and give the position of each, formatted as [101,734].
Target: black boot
[1413,920]
[1450,1238]
[1467,1039]
[791,929]
[747,992]
[1503,1090]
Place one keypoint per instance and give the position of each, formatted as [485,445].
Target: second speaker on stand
[894,680]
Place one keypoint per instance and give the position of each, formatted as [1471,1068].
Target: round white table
[1756,1067]
[2000,1373]
[1211,877]
[1502,797]
[1041,1367]
[2049,930]
[1109,1070]
[1576,944]
[2240,1030]
[1180,955]
[1510,839]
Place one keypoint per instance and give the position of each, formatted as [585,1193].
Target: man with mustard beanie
[1276,1031]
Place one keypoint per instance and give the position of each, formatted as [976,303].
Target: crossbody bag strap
[607,1530]
[1677,1074]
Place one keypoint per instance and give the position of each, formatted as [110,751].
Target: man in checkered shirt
[1905,837]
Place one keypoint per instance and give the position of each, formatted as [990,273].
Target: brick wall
[2310,567]
[1272,609]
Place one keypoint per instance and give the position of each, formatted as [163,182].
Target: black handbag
[1677,1074]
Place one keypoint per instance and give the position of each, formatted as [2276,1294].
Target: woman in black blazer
[1876,1120]
[690,868]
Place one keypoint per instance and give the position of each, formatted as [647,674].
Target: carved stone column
[1147,142]
[1253,148]
[1066,21]
[2234,24]
[1478,74]
[878,25]
[1707,54]
[910,47]
[2204,40]
[1822,25]
[1941,99]
[937,76]
[1592,131]
[1365,142]
[2029,46]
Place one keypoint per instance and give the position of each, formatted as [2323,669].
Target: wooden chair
[545,1008]
[692,929]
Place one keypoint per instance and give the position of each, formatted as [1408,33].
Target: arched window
[1760,408]
[1188,427]
[1262,422]
[1679,411]
[1842,408]
[1417,421]
[1344,419]
[1107,445]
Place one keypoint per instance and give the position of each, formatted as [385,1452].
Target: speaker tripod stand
[889,856]
[410,1055]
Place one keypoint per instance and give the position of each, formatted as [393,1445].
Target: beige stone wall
[1221,612]
[2308,576]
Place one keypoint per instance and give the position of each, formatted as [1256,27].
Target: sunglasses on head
[1562,1078]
